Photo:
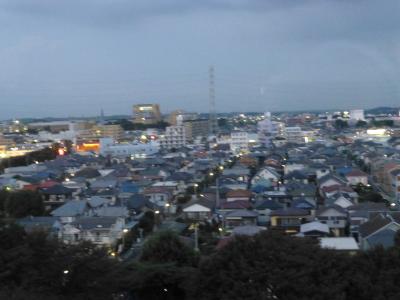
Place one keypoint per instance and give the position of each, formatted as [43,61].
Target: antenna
[212,114]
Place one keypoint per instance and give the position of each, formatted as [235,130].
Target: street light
[211,174]
[66,272]
[221,168]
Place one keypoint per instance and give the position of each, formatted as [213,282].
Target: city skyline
[72,58]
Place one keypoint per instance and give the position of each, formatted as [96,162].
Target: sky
[75,57]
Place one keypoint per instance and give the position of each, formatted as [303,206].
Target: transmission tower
[213,125]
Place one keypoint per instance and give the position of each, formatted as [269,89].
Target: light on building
[157,212]
[66,272]
[125,230]
[211,174]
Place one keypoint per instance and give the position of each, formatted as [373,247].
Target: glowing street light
[211,174]
[66,272]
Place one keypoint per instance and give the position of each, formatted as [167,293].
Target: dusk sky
[73,57]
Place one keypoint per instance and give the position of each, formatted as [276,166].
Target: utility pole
[196,237]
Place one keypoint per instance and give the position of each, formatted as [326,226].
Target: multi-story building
[357,115]
[114,131]
[122,150]
[186,116]
[239,141]
[196,128]
[268,129]
[294,134]
[174,136]
[146,113]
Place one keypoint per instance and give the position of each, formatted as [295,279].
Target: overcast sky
[74,57]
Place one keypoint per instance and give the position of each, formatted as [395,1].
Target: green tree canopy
[166,246]
[24,203]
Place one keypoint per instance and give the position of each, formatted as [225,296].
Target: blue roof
[303,204]
[344,170]
[129,187]
[70,209]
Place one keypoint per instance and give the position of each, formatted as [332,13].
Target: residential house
[335,217]
[235,195]
[102,231]
[380,230]
[356,177]
[314,229]
[199,209]
[240,217]
[289,220]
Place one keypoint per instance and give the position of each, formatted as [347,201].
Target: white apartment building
[174,136]
[357,115]
[239,141]
[294,134]
[122,150]
[268,129]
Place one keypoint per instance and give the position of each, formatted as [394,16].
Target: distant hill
[382,110]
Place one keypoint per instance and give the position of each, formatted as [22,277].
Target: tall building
[268,129]
[196,128]
[172,118]
[146,113]
[357,115]
[174,136]
[239,141]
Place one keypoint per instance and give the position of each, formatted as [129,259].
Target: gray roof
[112,211]
[71,209]
[376,223]
[89,223]
[243,213]
[97,201]
[290,212]
[248,230]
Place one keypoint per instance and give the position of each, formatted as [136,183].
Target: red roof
[47,184]
[31,187]
[337,187]
[238,204]
[238,194]
[356,173]
[157,190]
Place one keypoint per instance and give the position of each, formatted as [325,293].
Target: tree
[340,124]
[3,197]
[272,266]
[166,247]
[147,222]
[361,123]
[159,281]
[24,203]
[35,264]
